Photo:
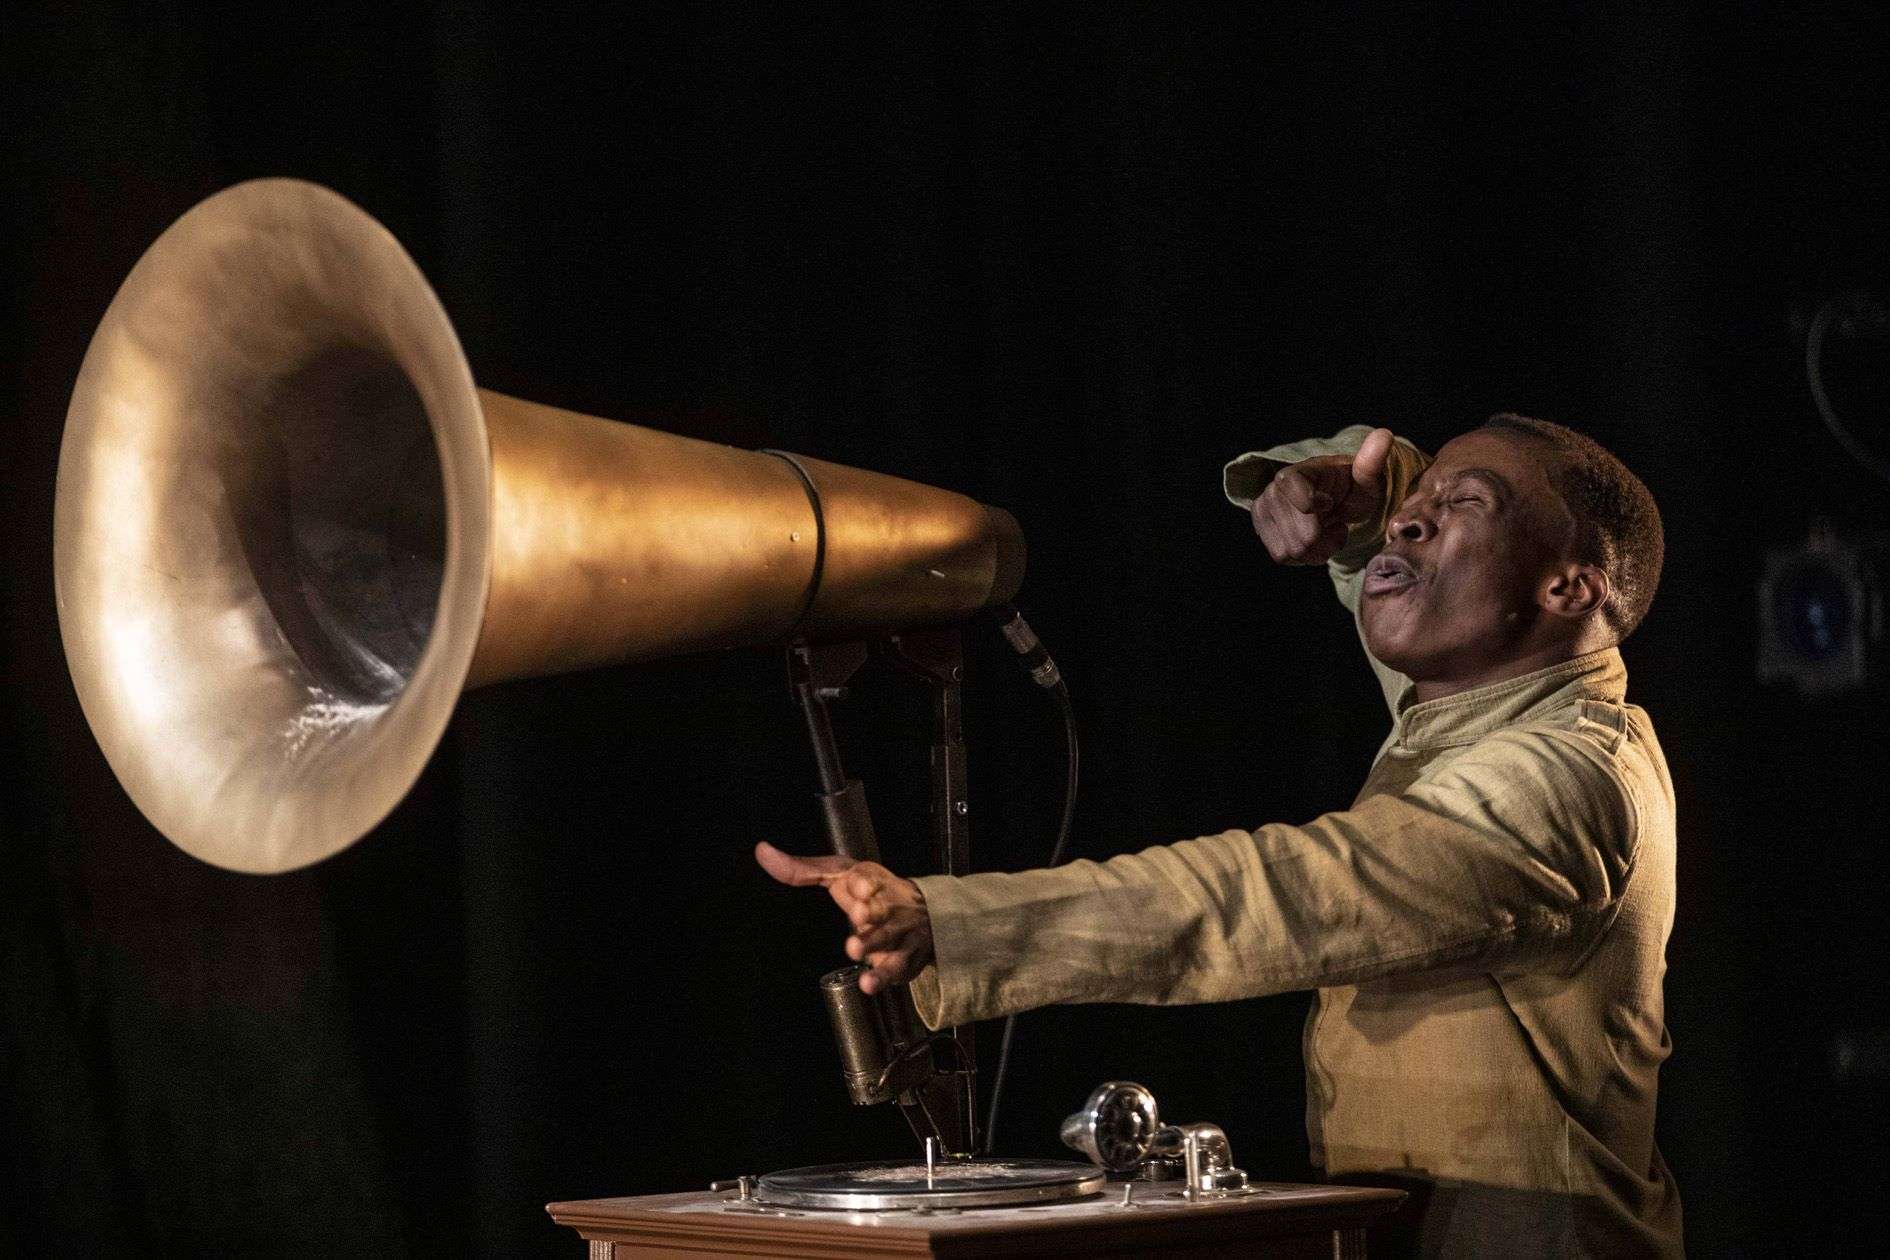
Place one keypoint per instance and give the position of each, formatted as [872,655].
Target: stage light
[1821,614]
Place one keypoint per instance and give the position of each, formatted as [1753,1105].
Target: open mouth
[1389,574]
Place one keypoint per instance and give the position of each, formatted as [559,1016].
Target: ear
[1574,590]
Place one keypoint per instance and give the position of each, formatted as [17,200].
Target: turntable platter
[890,1185]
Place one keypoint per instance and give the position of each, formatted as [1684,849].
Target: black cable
[1854,446]
[1062,694]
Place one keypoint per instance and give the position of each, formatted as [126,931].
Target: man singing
[1485,927]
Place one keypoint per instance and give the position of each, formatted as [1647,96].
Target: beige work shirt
[1485,928]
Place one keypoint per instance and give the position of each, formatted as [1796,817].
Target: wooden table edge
[1356,1207]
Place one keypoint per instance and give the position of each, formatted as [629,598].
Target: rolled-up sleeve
[1513,853]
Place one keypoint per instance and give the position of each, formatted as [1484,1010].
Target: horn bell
[290,530]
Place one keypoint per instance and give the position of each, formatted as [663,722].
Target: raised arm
[1325,501]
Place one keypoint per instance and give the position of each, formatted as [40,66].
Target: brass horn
[290,531]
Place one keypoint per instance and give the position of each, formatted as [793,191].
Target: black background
[1067,260]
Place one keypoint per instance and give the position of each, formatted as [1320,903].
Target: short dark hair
[1617,525]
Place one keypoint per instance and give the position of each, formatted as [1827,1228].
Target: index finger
[801,872]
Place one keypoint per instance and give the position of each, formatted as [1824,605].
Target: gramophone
[290,530]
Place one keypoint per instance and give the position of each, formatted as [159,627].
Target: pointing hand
[1306,510]
[892,933]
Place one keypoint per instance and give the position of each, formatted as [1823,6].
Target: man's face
[1455,588]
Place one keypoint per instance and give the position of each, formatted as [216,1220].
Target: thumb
[1367,495]
[1368,466]
[799,871]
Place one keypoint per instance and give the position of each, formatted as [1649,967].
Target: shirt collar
[1468,716]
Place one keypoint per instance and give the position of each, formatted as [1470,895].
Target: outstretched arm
[1517,852]
[1515,856]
